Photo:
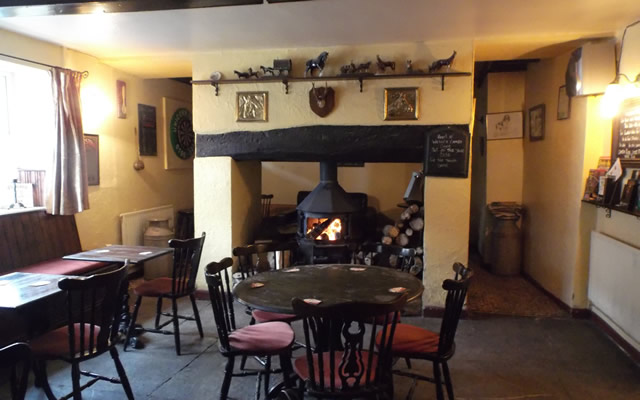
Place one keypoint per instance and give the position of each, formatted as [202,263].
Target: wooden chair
[16,357]
[381,255]
[186,261]
[262,340]
[418,343]
[247,267]
[265,201]
[340,362]
[94,307]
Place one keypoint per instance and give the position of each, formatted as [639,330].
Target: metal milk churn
[158,234]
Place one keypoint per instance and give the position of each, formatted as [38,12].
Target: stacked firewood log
[407,230]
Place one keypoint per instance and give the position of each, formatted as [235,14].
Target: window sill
[6,211]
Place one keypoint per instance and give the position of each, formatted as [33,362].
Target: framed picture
[252,106]
[179,139]
[147,130]
[92,154]
[536,123]
[564,103]
[401,104]
[506,125]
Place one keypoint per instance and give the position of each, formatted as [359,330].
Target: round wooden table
[331,283]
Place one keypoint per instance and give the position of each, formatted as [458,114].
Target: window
[27,128]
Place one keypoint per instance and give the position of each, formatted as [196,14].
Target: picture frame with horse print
[401,104]
[252,106]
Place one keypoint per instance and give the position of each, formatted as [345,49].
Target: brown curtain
[67,189]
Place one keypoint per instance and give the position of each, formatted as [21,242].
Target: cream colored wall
[557,224]
[121,188]
[447,215]
[505,157]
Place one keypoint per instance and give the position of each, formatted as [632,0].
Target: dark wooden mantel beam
[12,8]
[355,143]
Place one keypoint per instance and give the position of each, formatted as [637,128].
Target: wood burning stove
[329,220]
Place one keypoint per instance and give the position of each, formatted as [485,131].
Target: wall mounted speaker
[591,68]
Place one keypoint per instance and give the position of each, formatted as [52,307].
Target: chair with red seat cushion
[340,361]
[419,343]
[261,340]
[94,307]
[17,357]
[247,267]
[186,261]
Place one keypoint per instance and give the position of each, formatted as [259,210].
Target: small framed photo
[92,154]
[506,125]
[536,122]
[564,103]
[251,106]
[401,104]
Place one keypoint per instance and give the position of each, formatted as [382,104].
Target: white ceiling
[502,29]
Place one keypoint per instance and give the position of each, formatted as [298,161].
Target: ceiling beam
[13,8]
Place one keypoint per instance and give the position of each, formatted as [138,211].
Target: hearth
[330,220]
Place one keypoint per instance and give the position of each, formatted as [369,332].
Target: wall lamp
[619,90]
[623,87]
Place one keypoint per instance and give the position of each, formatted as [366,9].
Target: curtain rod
[85,74]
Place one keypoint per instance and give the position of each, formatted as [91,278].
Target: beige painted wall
[447,215]
[121,188]
[505,157]
[557,225]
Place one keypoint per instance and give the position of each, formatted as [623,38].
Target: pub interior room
[319,199]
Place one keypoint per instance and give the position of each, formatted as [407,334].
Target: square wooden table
[21,288]
[120,253]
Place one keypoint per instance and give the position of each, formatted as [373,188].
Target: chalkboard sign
[447,152]
[626,133]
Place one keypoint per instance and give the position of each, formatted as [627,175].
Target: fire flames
[332,232]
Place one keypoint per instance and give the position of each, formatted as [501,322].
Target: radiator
[133,224]
[614,278]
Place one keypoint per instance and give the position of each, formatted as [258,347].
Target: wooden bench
[34,241]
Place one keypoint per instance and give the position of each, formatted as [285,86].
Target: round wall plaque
[182,136]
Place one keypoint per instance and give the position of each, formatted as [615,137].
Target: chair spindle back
[346,359]
[17,357]
[219,283]
[186,262]
[456,293]
[245,255]
[94,305]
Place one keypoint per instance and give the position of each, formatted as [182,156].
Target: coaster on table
[40,283]
[291,270]
[144,253]
[102,251]
[314,302]
[358,269]
[398,289]
[257,284]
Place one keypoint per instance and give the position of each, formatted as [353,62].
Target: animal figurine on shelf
[321,100]
[348,69]
[445,62]
[383,65]
[316,63]
[363,68]
[246,75]
[409,67]
[267,70]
